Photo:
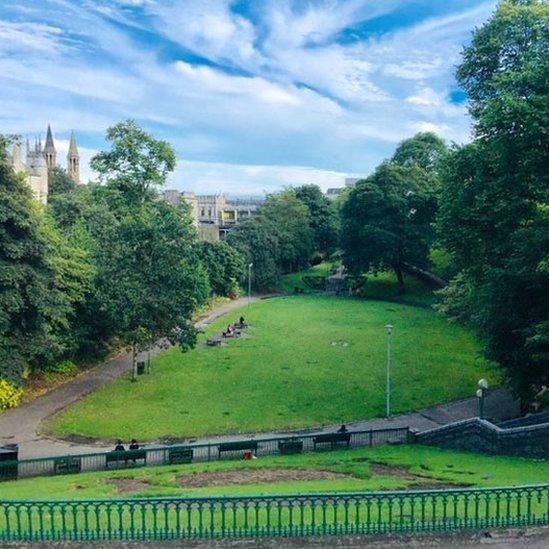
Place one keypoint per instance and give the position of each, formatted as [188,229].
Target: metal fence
[165,455]
[289,515]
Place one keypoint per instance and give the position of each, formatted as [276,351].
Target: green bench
[333,439]
[123,456]
[180,455]
[67,465]
[290,446]
[238,446]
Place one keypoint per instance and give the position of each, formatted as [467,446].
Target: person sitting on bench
[119,446]
[342,429]
[134,444]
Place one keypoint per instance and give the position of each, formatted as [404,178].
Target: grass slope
[434,465]
[308,360]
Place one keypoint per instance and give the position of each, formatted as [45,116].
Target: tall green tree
[323,218]
[292,225]
[32,306]
[425,150]
[493,212]
[257,241]
[59,182]
[149,280]
[224,265]
[136,163]
[386,220]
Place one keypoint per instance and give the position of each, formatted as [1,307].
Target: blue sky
[253,94]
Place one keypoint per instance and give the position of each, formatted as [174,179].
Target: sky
[254,95]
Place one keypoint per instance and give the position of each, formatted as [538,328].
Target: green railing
[196,452]
[283,515]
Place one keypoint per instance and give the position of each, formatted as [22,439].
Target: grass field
[307,360]
[381,468]
[382,285]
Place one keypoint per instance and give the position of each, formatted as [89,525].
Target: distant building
[215,214]
[334,192]
[39,163]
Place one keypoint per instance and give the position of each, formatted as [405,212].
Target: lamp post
[389,329]
[250,283]
[482,387]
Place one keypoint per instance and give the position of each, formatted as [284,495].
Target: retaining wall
[479,435]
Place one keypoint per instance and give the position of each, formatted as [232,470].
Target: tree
[323,218]
[59,182]
[386,220]
[493,212]
[425,150]
[136,163]
[31,305]
[257,241]
[224,265]
[290,219]
[148,280]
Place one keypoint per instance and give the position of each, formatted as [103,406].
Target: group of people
[234,329]
[120,446]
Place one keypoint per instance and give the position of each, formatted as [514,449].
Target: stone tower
[73,160]
[49,150]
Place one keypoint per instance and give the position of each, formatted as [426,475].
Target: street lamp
[482,387]
[250,283]
[389,329]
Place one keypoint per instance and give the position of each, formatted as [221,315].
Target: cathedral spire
[49,150]
[73,160]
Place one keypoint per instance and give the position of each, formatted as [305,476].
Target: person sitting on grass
[242,322]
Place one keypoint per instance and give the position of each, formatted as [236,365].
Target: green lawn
[308,360]
[383,285]
[357,470]
[291,281]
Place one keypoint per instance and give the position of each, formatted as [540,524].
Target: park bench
[290,446]
[180,455]
[237,446]
[333,439]
[66,465]
[124,456]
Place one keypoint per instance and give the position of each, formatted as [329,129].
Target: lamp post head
[482,384]
[389,328]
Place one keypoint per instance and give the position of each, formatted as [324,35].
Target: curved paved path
[21,425]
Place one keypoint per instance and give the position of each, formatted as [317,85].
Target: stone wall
[479,435]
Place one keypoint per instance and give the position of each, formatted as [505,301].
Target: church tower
[49,151]
[73,160]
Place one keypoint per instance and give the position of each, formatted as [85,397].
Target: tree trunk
[400,278]
[134,363]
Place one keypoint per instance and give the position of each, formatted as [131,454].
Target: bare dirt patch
[255,476]
[420,481]
[126,485]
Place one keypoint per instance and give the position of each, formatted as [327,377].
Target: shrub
[10,395]
[66,367]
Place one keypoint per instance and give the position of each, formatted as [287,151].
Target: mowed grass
[306,360]
[409,467]
[289,282]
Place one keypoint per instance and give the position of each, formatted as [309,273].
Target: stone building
[215,214]
[39,162]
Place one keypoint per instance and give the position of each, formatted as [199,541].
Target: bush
[66,367]
[10,395]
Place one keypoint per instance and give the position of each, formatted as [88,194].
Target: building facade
[37,163]
[215,214]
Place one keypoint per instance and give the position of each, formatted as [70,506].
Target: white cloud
[17,37]
[212,177]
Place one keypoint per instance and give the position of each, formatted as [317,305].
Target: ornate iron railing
[283,515]
[169,455]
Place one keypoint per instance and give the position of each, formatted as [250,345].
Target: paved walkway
[21,425]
